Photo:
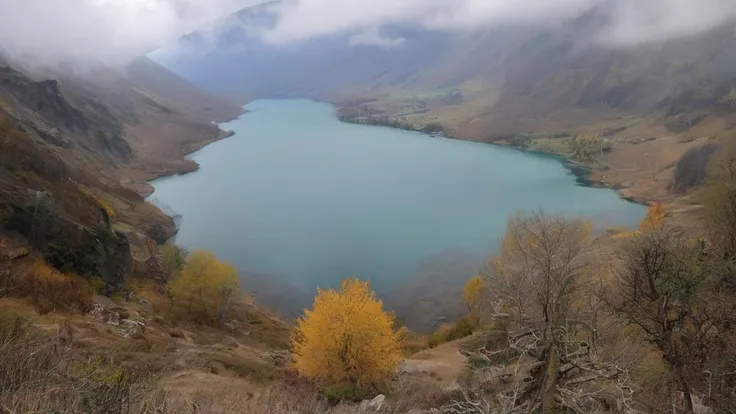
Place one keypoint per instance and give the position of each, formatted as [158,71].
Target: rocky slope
[75,149]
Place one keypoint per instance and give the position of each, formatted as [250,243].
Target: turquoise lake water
[298,200]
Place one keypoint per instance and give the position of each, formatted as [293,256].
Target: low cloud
[115,31]
[373,37]
[101,31]
[630,22]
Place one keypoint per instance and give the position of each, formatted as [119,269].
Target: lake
[297,200]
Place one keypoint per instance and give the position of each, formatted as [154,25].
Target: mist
[110,32]
[113,32]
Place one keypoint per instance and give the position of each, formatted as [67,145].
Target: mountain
[481,85]
[76,147]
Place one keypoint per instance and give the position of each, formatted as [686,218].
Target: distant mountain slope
[507,76]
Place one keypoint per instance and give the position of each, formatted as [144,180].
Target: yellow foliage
[50,290]
[347,336]
[205,288]
[653,219]
[472,292]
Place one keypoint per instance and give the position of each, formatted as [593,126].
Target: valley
[391,207]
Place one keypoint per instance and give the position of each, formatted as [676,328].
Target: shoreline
[188,166]
[583,172]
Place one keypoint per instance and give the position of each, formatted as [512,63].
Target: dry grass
[49,290]
[210,394]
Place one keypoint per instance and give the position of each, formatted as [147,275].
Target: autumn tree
[205,288]
[472,292]
[347,337]
[654,218]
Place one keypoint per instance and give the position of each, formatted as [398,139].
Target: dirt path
[443,363]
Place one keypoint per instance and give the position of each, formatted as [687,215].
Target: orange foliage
[654,218]
[347,337]
[49,290]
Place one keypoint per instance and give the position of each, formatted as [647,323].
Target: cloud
[630,21]
[634,21]
[115,31]
[104,31]
[373,37]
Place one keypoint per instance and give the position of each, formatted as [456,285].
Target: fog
[115,31]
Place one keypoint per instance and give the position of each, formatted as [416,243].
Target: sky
[115,31]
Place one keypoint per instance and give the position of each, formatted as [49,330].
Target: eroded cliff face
[75,151]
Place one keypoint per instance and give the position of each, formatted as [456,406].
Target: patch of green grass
[550,145]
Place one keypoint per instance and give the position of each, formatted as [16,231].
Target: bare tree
[660,286]
[530,286]
[720,205]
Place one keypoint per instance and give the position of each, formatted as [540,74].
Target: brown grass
[49,290]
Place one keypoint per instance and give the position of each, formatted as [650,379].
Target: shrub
[347,338]
[462,328]
[205,289]
[345,392]
[478,362]
[49,290]
[174,257]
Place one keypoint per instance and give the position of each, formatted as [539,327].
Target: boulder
[372,406]
[113,318]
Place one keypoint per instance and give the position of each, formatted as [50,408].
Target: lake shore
[333,189]
[587,174]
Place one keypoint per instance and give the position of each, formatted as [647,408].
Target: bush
[479,362]
[347,338]
[462,328]
[174,257]
[205,290]
[49,290]
[346,392]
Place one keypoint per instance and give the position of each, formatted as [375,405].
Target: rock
[113,318]
[372,406]
[280,358]
[133,329]
[143,301]
[10,250]
[98,312]
[121,311]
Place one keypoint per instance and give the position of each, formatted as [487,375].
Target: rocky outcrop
[56,119]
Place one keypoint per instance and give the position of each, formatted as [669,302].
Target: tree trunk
[549,381]
[686,392]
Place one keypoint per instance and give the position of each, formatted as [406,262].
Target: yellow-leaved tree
[205,288]
[347,337]
[472,293]
[654,219]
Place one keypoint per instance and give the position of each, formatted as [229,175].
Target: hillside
[485,84]
[82,141]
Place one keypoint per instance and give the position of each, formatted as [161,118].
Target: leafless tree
[530,287]
[660,287]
